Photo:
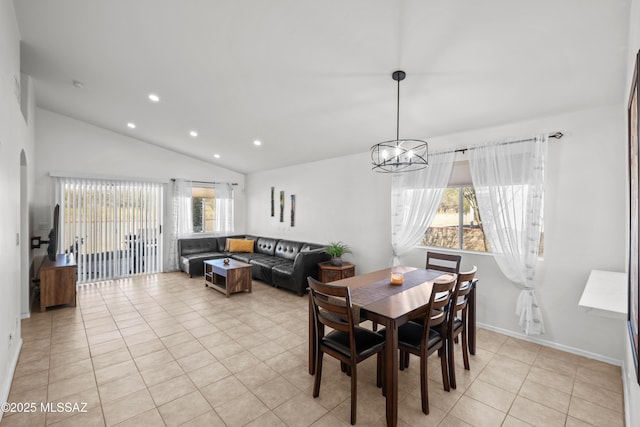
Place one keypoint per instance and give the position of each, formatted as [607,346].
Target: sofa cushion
[202,256]
[248,256]
[287,249]
[194,246]
[269,262]
[283,276]
[283,269]
[261,268]
[266,245]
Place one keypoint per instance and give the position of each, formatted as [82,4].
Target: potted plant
[336,250]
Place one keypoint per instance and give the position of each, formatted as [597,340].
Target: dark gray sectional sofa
[278,262]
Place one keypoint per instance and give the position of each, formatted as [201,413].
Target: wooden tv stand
[58,282]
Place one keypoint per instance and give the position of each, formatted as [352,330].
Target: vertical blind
[113,227]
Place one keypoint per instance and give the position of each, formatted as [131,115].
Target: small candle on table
[397,278]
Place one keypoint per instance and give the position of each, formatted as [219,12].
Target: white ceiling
[312,79]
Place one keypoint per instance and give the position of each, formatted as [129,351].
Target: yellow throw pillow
[240,245]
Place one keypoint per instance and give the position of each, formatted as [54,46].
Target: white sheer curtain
[224,208]
[509,184]
[415,198]
[181,218]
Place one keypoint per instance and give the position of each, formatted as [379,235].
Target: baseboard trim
[553,345]
[6,386]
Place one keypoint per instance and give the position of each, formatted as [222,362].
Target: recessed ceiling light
[217,156]
[154,98]
[257,143]
[131,125]
[193,133]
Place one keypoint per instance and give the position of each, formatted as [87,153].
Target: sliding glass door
[113,227]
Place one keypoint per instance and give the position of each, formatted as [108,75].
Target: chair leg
[354,393]
[424,385]
[379,364]
[465,349]
[316,384]
[452,365]
[443,363]
[345,368]
[403,361]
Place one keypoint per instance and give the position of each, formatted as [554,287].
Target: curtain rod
[556,135]
[210,182]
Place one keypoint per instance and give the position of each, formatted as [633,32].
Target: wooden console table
[328,272]
[58,282]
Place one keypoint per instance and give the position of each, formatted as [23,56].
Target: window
[212,208]
[457,224]
[203,209]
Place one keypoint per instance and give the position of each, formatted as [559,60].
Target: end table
[328,272]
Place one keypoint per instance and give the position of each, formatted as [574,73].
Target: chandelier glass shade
[399,155]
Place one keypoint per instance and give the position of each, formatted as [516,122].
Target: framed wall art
[273,210]
[281,206]
[634,220]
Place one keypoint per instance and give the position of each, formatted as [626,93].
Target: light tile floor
[164,350]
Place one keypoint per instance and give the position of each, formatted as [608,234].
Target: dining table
[391,305]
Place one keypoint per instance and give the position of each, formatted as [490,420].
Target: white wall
[337,199]
[632,389]
[15,139]
[342,199]
[65,145]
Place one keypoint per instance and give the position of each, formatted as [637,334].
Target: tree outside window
[203,209]
[457,224]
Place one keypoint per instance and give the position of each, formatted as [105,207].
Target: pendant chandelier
[399,155]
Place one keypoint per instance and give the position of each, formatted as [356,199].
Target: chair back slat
[443,262]
[439,301]
[331,305]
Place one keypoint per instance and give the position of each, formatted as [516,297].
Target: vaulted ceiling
[312,79]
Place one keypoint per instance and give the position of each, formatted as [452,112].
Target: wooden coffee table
[227,278]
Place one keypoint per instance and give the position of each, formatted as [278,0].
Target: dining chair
[421,339]
[457,325]
[444,262]
[347,342]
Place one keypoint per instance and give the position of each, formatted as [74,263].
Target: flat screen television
[52,249]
